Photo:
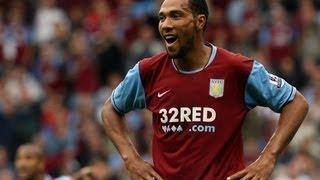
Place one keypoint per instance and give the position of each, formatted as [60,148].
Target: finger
[148,177]
[247,176]
[238,175]
[155,175]
[150,174]
[152,177]
[136,177]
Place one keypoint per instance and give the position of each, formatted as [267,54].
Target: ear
[201,21]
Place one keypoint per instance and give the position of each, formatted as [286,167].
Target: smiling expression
[177,26]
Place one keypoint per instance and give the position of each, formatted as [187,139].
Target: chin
[180,53]
[173,53]
[24,177]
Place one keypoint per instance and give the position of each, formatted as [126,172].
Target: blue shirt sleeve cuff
[115,107]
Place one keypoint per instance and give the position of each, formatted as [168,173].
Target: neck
[196,58]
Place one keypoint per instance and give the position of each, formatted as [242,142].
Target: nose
[166,25]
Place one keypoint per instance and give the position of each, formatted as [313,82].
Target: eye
[176,14]
[161,18]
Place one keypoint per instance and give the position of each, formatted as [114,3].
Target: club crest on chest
[216,87]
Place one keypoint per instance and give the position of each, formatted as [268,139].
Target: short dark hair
[199,7]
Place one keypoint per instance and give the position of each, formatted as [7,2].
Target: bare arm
[116,130]
[291,117]
[290,120]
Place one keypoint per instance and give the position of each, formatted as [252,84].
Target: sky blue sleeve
[264,89]
[129,94]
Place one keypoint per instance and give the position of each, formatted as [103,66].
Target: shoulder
[151,64]
[235,61]
[231,57]
[153,60]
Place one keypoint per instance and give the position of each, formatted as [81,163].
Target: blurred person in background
[6,175]
[301,167]
[218,30]
[22,87]
[145,45]
[111,82]
[82,67]
[277,38]
[7,128]
[307,22]
[48,68]
[98,170]
[109,55]
[6,169]
[100,13]
[21,111]
[244,19]
[17,36]
[30,163]
[47,18]
[59,134]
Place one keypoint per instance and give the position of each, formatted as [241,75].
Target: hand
[261,169]
[140,169]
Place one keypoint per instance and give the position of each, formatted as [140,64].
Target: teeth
[170,37]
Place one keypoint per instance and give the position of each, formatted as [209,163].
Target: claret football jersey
[198,115]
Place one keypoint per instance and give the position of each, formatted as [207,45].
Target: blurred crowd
[60,60]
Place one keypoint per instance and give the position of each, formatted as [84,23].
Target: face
[28,163]
[178,27]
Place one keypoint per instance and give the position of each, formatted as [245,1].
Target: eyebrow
[170,12]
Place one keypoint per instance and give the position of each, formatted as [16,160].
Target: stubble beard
[183,49]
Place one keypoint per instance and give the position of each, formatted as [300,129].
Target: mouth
[23,173]
[170,39]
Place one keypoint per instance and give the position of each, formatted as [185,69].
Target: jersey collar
[212,56]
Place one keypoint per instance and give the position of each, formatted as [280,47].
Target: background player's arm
[116,130]
[291,118]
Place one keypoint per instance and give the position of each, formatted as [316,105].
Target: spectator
[145,45]
[48,17]
[83,73]
[30,163]
[277,38]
